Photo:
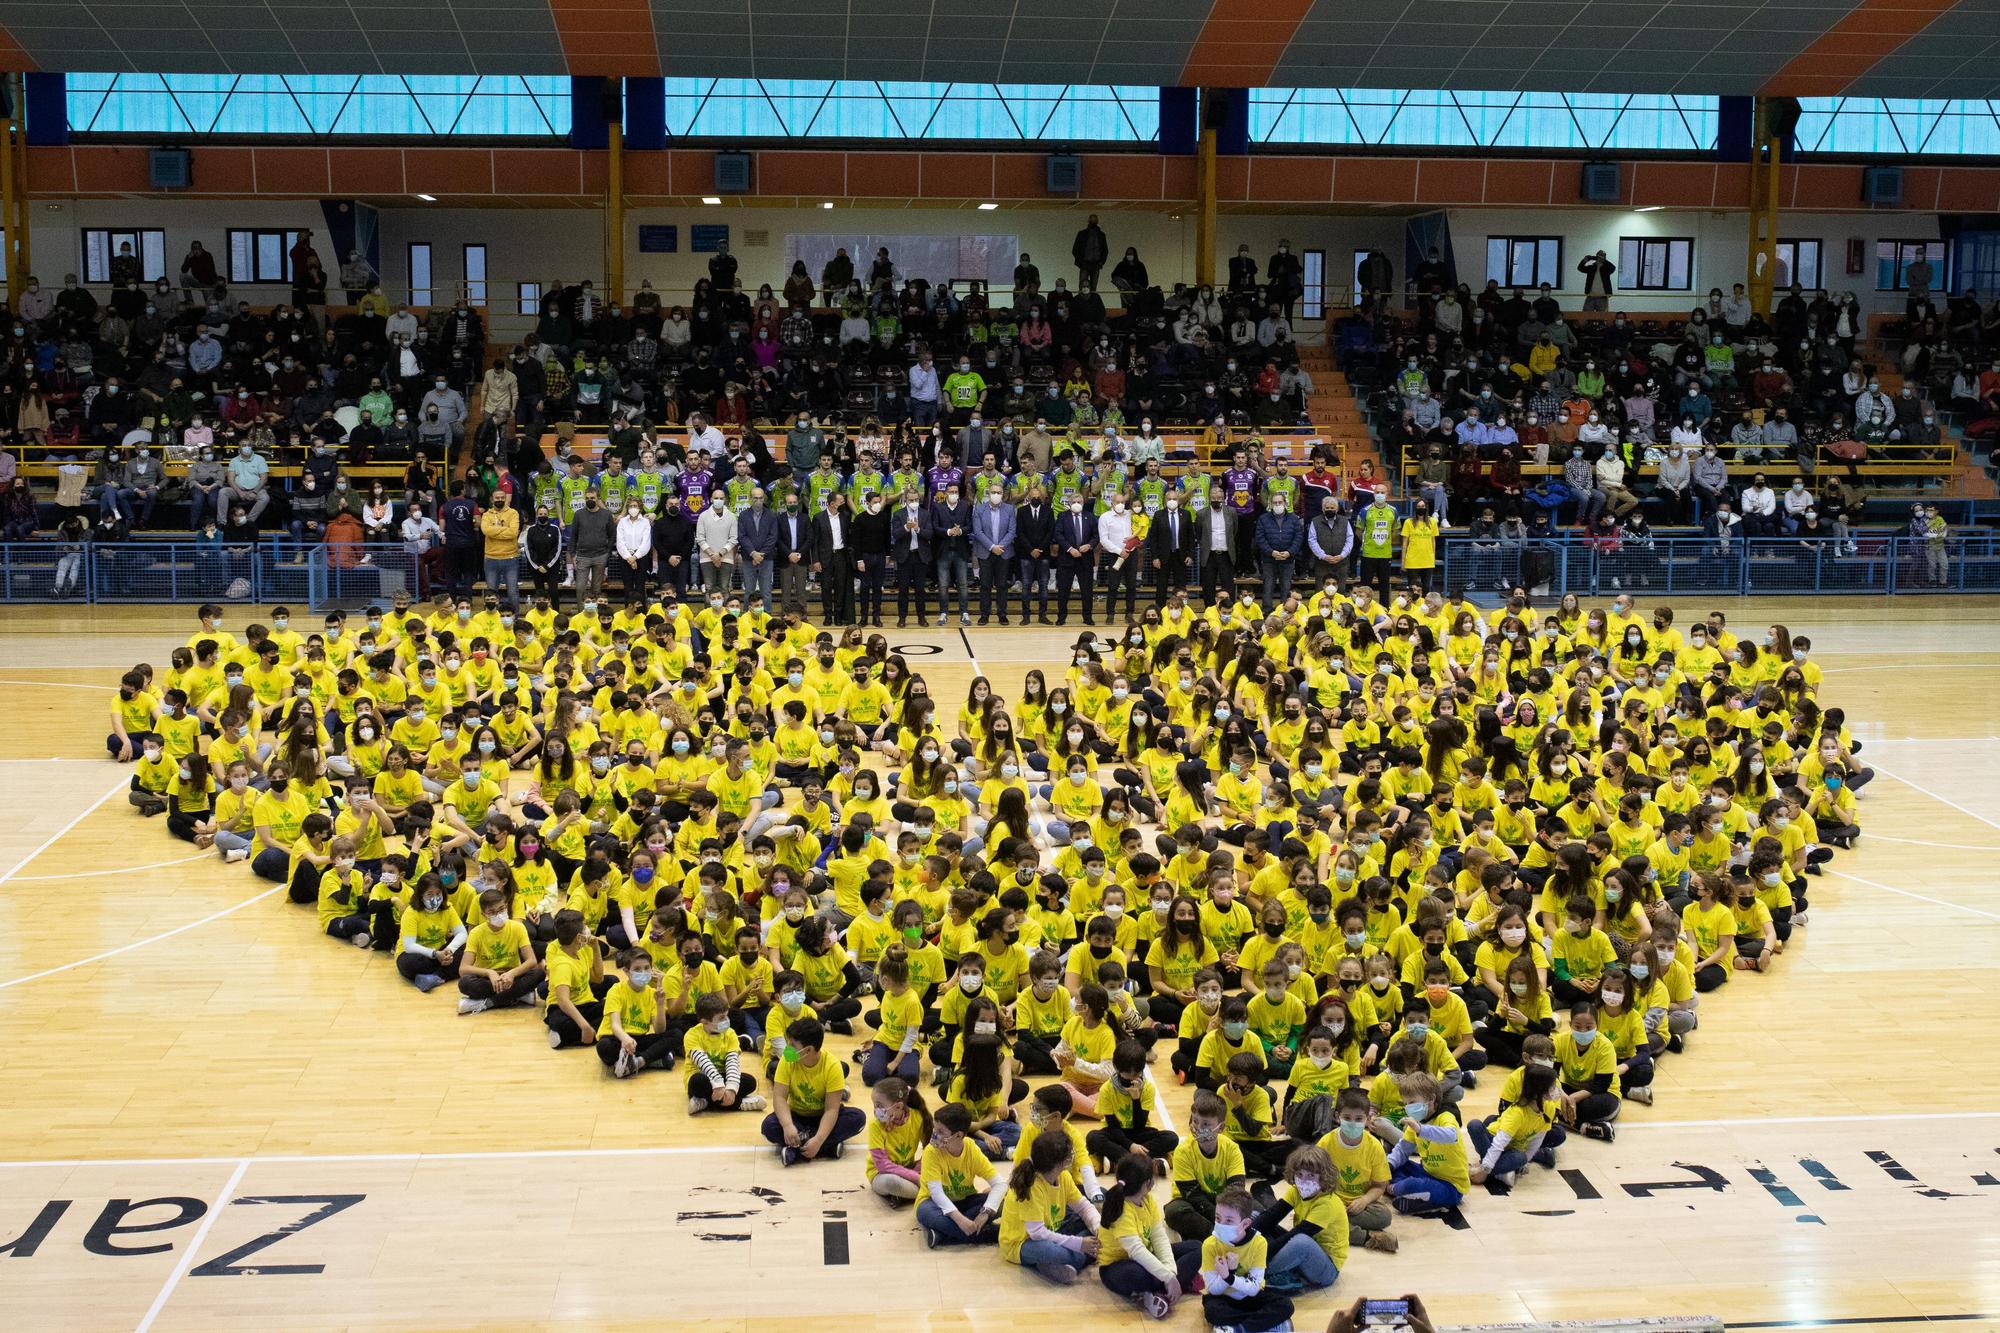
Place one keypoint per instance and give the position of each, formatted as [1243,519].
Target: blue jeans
[1414,1183]
[1009,1134]
[1481,1133]
[948,563]
[1036,1253]
[934,1220]
[757,579]
[1300,1264]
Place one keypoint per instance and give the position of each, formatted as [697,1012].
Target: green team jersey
[740,491]
[984,482]
[547,490]
[1194,491]
[1378,531]
[1282,486]
[1110,481]
[573,490]
[905,479]
[1152,493]
[651,488]
[820,483]
[864,483]
[1023,482]
[1064,483]
[964,388]
[611,488]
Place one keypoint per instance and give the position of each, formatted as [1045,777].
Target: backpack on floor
[1310,1119]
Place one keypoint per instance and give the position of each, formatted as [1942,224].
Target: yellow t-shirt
[810,1085]
[1047,1202]
[1357,1169]
[960,1173]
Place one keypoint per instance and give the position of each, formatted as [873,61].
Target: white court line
[1920,897]
[56,684]
[1943,800]
[1744,1121]
[740,1149]
[123,784]
[518,1155]
[186,1261]
[156,865]
[1873,836]
[140,944]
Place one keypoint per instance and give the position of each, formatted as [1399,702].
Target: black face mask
[1274,928]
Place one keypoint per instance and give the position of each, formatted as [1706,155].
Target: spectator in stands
[249,483]
[1581,478]
[18,517]
[1598,287]
[1760,508]
[1130,275]
[1090,250]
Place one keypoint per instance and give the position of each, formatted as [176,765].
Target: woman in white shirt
[635,548]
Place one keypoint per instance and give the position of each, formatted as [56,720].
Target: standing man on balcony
[1090,249]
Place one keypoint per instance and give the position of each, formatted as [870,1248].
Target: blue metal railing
[315,576]
[1969,561]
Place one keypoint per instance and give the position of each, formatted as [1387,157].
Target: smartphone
[1384,1314]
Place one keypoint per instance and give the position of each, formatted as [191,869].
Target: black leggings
[565,1027]
[414,965]
[480,987]
[653,1046]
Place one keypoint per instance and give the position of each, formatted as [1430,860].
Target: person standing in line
[757,548]
[500,525]
[715,539]
[951,534]
[833,559]
[592,537]
[994,532]
[1378,545]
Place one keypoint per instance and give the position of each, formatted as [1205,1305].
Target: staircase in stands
[1335,413]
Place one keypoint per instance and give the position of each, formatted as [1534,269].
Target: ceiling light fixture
[988,208]
[827,204]
[1649,208]
[428,198]
[711,199]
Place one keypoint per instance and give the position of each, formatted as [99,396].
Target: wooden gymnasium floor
[215,1119]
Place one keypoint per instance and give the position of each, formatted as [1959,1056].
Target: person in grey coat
[131,489]
[592,533]
[993,546]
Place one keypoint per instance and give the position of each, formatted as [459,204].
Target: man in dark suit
[794,555]
[833,542]
[1034,538]
[1076,559]
[1170,546]
[757,549]
[951,540]
[910,553]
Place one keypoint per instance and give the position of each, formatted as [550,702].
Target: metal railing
[1967,561]
[278,570]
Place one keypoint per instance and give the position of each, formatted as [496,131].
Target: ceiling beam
[1853,46]
[611,38]
[1242,42]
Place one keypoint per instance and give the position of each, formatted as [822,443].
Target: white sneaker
[696,1105]
[626,1065]
[235,854]
[555,1039]
[754,1102]
[468,1005]
[361,941]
